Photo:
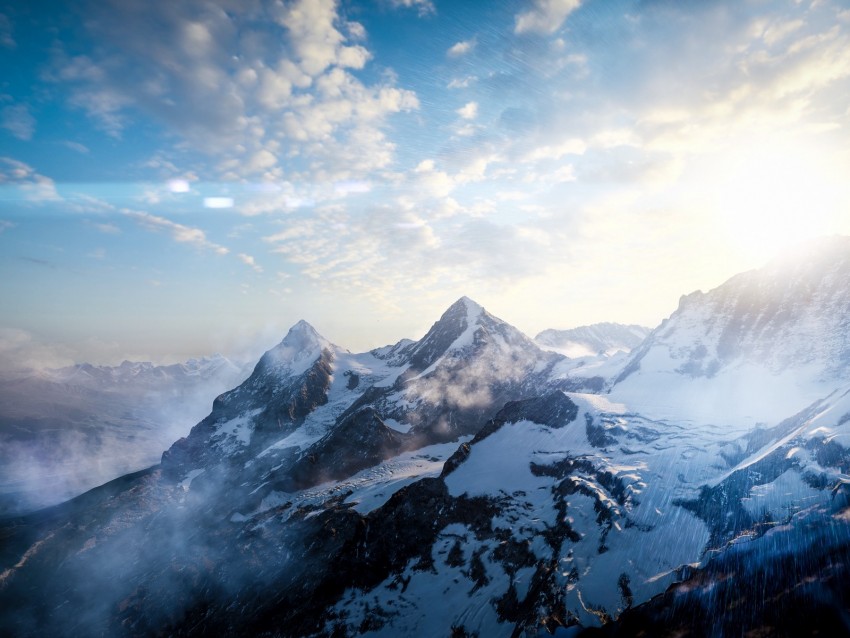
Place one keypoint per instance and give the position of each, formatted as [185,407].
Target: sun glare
[769,198]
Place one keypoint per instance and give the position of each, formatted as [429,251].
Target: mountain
[64,431]
[780,517]
[312,411]
[471,483]
[313,425]
[598,339]
[763,345]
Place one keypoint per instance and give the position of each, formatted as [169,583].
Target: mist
[64,431]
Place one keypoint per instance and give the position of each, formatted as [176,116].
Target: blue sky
[182,178]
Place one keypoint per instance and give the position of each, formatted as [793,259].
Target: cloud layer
[550,158]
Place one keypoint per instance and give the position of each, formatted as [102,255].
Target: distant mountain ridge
[594,340]
[66,430]
[145,371]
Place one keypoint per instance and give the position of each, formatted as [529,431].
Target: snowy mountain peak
[473,308]
[300,348]
[303,334]
[463,309]
[777,332]
[464,324]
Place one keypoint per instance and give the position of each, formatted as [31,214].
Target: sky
[178,179]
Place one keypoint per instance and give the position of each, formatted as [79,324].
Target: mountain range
[473,483]
[600,339]
[64,431]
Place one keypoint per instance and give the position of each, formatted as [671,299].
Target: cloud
[76,146]
[248,260]
[461,83]
[84,203]
[460,48]
[468,111]
[391,253]
[737,77]
[291,87]
[7,40]
[5,225]
[546,16]
[18,120]
[108,228]
[34,186]
[571,146]
[179,233]
[90,91]
[423,7]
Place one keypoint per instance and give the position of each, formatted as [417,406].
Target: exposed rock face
[360,440]
[462,372]
[289,382]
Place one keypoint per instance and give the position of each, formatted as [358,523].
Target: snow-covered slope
[763,345]
[598,339]
[780,537]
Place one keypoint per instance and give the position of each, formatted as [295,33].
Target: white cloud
[34,186]
[356,31]
[316,42]
[570,146]
[85,203]
[355,186]
[108,228]
[468,111]
[423,7]
[291,87]
[565,173]
[779,30]
[90,91]
[430,182]
[179,233]
[76,146]
[261,160]
[460,48]
[5,225]
[545,17]
[248,260]
[461,83]
[18,120]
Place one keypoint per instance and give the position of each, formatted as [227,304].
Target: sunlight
[771,197]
